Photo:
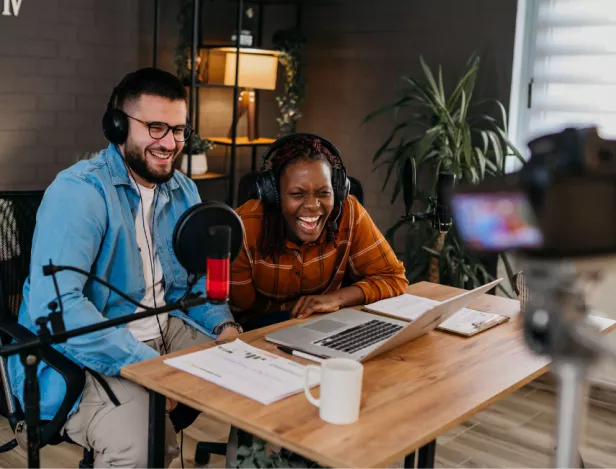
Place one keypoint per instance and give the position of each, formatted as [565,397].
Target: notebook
[466,322]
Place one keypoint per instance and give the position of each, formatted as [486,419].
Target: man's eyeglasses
[159,130]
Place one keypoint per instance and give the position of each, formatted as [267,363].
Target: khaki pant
[119,434]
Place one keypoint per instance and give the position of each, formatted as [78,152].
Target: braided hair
[274,229]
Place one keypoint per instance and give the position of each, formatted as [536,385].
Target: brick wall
[59,60]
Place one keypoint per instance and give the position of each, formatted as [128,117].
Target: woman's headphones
[267,189]
[115,122]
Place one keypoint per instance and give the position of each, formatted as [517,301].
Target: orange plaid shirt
[361,253]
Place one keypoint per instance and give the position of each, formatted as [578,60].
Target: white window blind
[568,68]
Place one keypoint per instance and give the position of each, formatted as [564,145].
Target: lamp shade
[258,69]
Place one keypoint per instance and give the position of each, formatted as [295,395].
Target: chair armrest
[69,370]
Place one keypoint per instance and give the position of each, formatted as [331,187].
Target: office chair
[17,222]
[247,188]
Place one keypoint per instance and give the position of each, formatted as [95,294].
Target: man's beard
[137,161]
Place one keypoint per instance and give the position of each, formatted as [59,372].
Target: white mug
[341,382]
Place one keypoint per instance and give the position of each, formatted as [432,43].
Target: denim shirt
[87,220]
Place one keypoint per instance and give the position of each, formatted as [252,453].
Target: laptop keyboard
[361,336]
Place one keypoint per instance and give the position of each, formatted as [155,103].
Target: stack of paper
[470,321]
[408,307]
[405,306]
[246,370]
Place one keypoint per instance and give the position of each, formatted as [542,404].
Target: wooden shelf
[210,176]
[214,85]
[242,141]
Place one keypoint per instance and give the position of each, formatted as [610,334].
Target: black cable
[59,268]
[182,447]
[150,256]
[153,271]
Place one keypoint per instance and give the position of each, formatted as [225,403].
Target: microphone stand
[30,350]
[431,215]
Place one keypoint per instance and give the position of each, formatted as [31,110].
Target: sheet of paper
[599,322]
[404,306]
[246,370]
[469,321]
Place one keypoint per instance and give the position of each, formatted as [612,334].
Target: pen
[297,353]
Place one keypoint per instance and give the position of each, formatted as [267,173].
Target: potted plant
[443,131]
[198,148]
[258,455]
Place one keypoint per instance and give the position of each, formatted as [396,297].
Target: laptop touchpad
[325,325]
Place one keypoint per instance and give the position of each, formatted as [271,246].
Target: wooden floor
[515,432]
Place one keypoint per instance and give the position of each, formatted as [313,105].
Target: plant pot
[199,164]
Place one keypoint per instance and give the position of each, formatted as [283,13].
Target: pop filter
[191,236]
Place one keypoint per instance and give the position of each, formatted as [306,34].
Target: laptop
[359,335]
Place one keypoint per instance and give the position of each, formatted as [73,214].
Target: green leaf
[485,140]
[512,147]
[462,83]
[498,151]
[391,232]
[390,168]
[441,88]
[399,181]
[481,161]
[389,139]
[431,154]
[431,81]
[388,107]
[431,251]
[467,148]
[491,166]
[427,140]
[507,265]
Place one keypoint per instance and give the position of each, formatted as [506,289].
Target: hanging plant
[183,49]
[290,43]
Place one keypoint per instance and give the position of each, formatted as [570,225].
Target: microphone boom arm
[30,349]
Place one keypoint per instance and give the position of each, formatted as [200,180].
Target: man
[114,216]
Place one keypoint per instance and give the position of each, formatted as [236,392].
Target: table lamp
[257,70]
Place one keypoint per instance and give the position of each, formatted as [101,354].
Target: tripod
[556,324]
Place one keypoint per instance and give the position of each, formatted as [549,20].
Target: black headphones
[267,189]
[115,122]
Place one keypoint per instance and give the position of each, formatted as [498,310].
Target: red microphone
[218,263]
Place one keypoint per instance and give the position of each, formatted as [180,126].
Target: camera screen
[496,221]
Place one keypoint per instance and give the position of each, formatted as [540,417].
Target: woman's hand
[328,303]
[307,305]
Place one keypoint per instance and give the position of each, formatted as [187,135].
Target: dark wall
[59,60]
[358,49]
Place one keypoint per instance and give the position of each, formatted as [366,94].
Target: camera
[559,214]
[561,204]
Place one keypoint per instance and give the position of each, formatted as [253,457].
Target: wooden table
[410,396]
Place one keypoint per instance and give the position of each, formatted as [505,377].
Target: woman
[305,237]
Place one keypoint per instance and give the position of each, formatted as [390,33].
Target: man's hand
[227,335]
[171,404]
[307,305]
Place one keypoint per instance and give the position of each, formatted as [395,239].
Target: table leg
[427,453]
[156,431]
[425,457]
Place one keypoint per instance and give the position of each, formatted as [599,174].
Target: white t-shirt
[147,328]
